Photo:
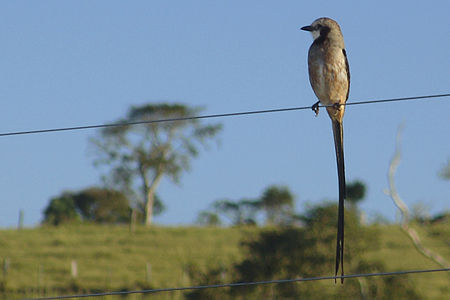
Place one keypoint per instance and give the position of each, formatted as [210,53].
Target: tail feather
[339,146]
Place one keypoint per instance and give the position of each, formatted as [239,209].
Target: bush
[94,204]
[61,210]
[309,251]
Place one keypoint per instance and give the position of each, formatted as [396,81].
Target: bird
[329,75]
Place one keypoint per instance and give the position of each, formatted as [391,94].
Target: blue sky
[70,63]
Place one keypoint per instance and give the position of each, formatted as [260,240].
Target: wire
[211,116]
[238,284]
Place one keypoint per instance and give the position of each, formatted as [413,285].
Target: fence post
[21,217]
[6,262]
[4,282]
[148,273]
[133,220]
[74,269]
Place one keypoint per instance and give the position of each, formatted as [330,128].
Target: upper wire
[211,116]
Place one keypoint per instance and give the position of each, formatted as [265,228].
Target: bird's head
[324,27]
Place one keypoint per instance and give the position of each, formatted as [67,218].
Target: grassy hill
[110,258]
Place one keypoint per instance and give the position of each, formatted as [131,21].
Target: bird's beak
[307,28]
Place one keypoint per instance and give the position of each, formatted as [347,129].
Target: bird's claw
[315,108]
[337,106]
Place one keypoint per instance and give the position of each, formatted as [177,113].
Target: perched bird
[329,76]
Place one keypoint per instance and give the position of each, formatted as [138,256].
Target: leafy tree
[293,252]
[60,210]
[278,204]
[207,218]
[102,205]
[149,151]
[356,191]
[93,204]
[240,212]
[443,218]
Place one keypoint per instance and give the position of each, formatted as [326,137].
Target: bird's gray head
[323,28]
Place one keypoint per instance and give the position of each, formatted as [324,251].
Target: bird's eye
[319,26]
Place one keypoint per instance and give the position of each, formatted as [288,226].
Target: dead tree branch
[404,222]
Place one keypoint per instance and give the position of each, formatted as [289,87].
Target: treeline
[137,153]
[289,252]
[94,205]
[275,206]
[102,205]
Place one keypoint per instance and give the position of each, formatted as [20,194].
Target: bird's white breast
[328,75]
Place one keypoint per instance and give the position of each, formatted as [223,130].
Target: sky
[74,63]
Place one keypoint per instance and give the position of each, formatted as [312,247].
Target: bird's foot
[315,108]
[337,106]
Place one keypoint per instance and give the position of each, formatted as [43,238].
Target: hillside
[110,258]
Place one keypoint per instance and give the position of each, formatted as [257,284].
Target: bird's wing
[348,73]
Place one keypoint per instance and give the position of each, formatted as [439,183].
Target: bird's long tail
[339,146]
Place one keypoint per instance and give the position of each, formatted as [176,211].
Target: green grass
[110,258]
[398,253]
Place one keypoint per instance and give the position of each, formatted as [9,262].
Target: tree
[240,212]
[356,191]
[60,210]
[151,150]
[102,205]
[278,204]
[445,171]
[207,218]
[293,252]
[93,204]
